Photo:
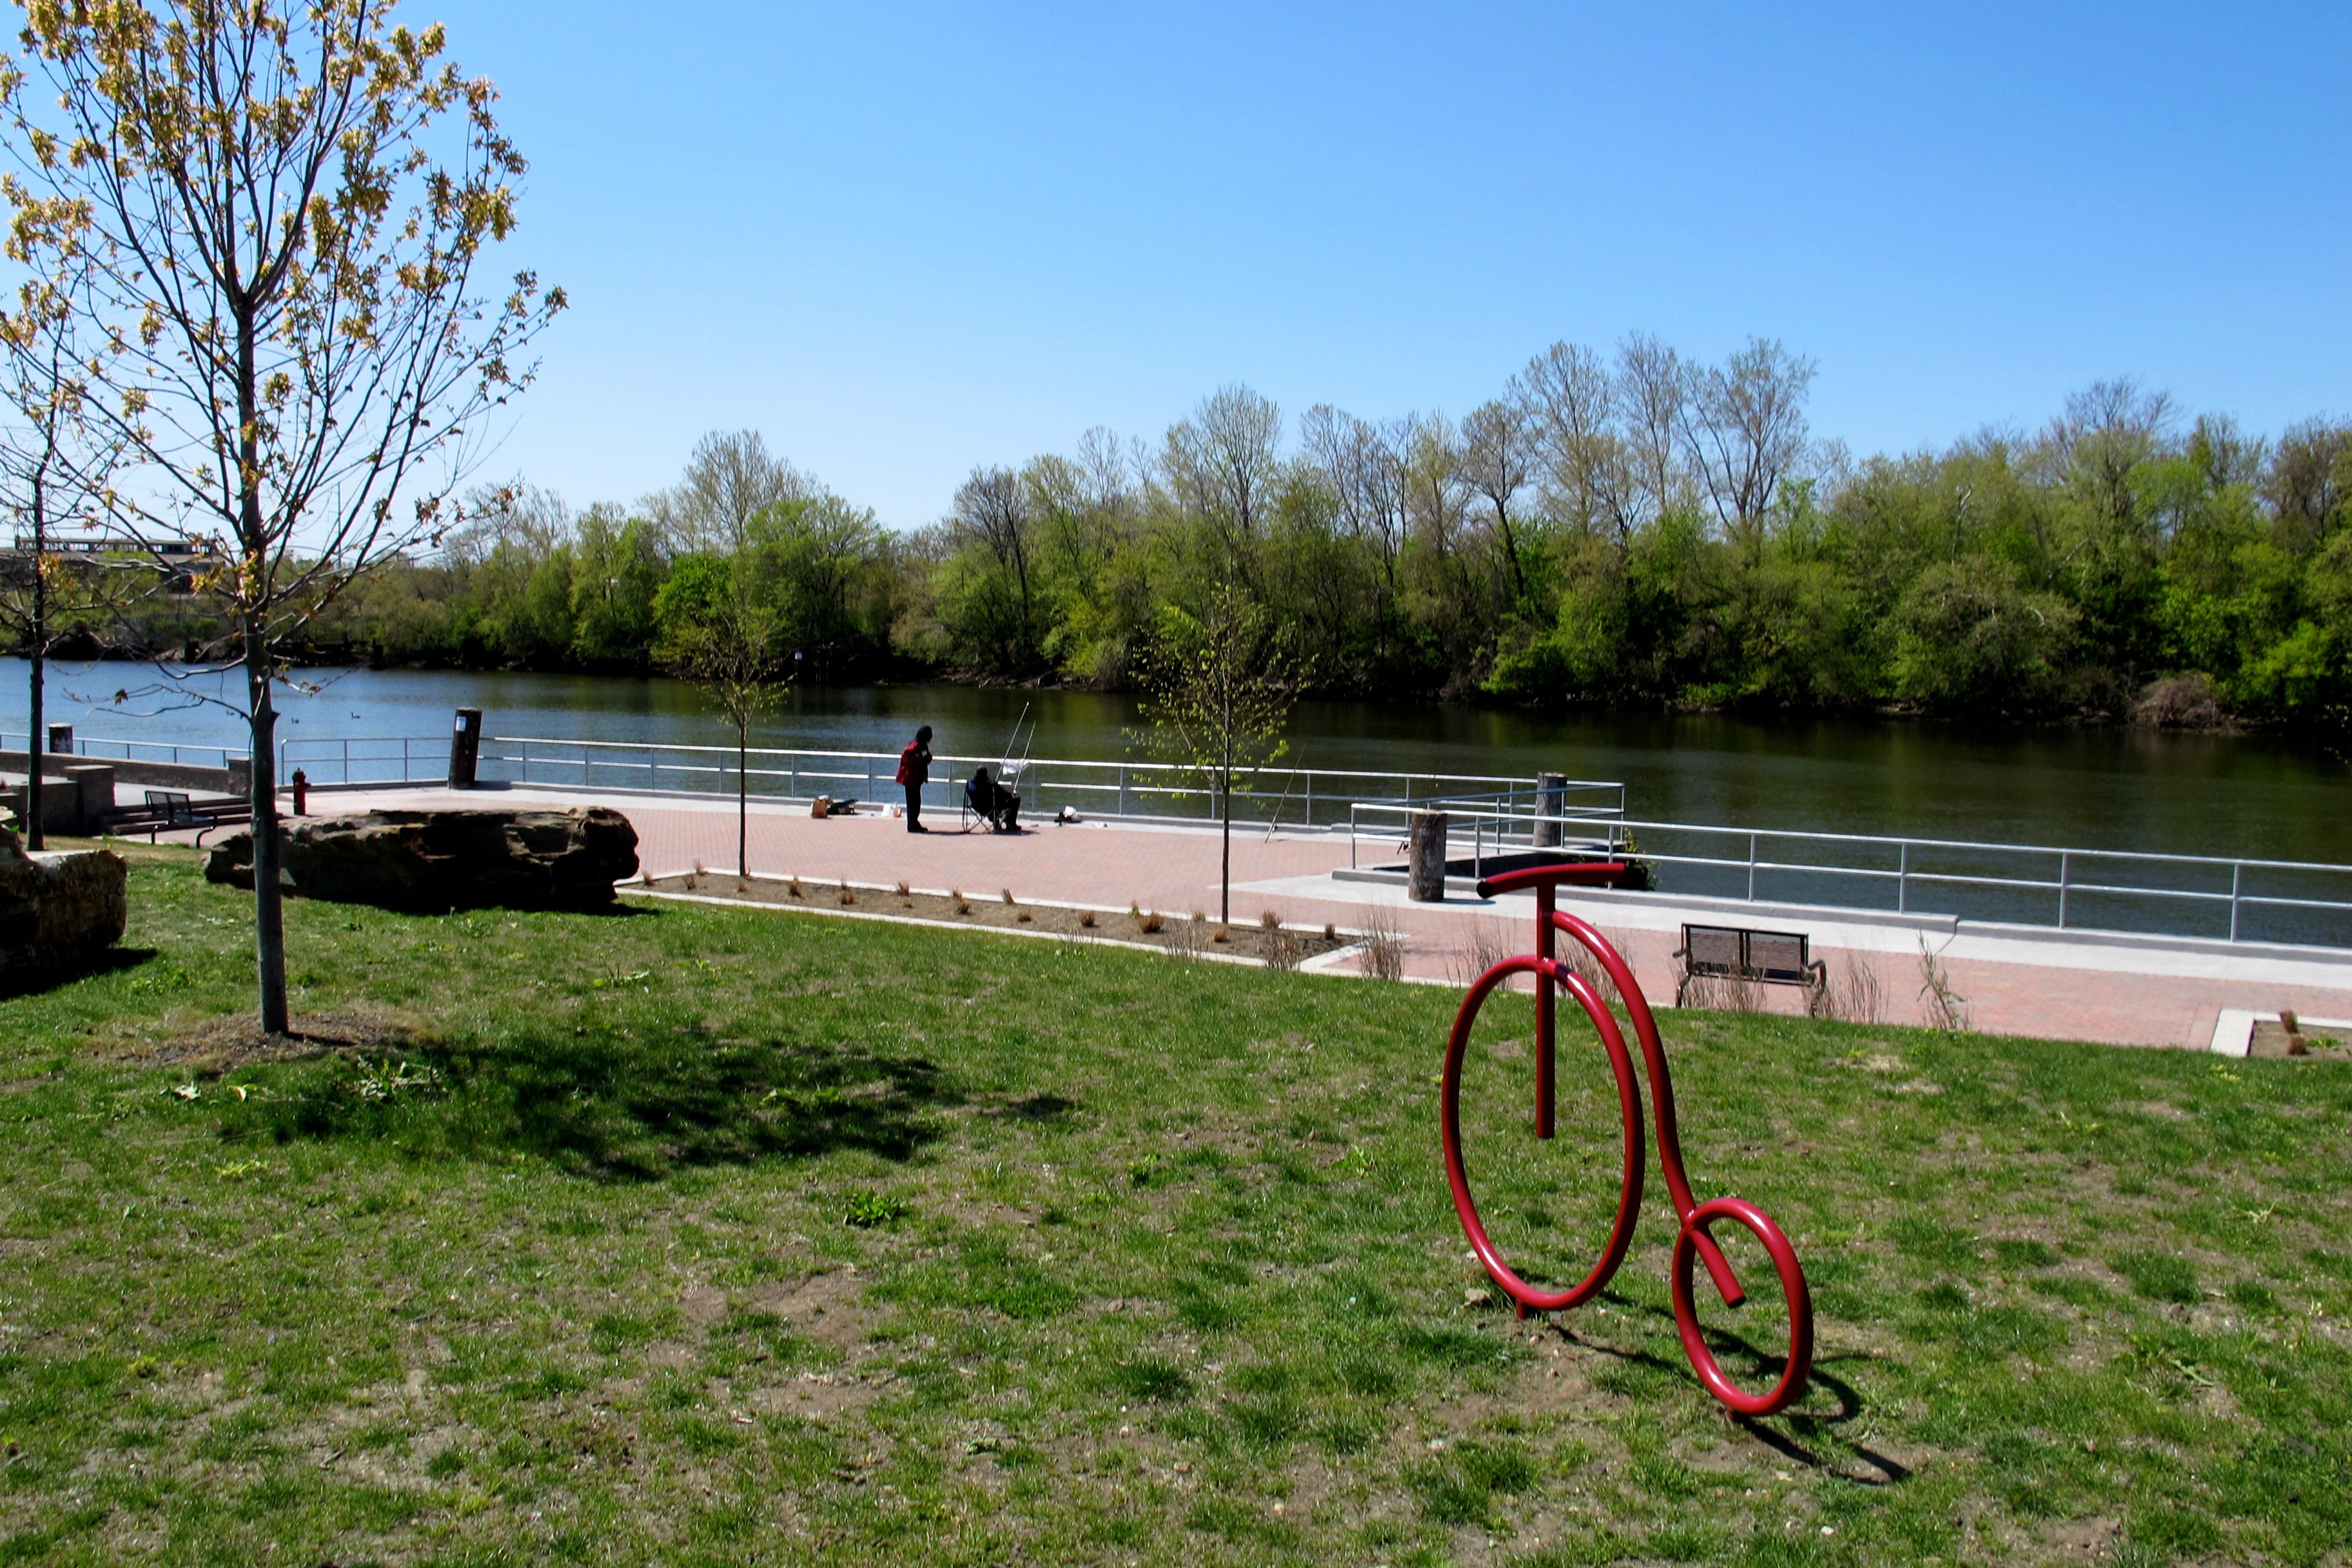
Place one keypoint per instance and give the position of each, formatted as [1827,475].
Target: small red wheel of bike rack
[1792,1290]
[1629,1101]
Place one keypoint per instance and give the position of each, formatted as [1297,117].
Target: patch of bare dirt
[1183,932]
[233,1040]
[824,1307]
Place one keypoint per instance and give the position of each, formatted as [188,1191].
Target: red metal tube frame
[1692,1242]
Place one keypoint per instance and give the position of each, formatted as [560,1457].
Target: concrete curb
[2233,1031]
[1322,963]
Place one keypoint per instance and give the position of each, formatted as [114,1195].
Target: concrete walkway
[2009,981]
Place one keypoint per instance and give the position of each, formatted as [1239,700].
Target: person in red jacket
[914,772]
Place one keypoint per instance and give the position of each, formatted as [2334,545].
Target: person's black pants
[913,809]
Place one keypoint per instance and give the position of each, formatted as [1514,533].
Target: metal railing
[1492,828]
[1276,796]
[1518,798]
[366,758]
[2240,898]
[2126,891]
[138,751]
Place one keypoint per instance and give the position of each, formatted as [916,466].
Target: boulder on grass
[431,861]
[59,908]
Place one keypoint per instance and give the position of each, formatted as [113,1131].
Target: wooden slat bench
[1734,953]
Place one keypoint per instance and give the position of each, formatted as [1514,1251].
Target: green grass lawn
[699,1235]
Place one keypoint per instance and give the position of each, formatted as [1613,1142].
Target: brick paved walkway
[2083,990]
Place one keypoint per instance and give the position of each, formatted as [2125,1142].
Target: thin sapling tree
[1220,686]
[720,638]
[53,474]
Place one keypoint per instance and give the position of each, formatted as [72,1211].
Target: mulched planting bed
[2320,1043]
[1182,932]
[237,1040]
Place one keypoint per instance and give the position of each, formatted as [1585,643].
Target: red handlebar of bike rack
[1583,873]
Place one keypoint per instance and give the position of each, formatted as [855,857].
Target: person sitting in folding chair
[992,802]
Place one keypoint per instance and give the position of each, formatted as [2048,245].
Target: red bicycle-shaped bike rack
[1694,1242]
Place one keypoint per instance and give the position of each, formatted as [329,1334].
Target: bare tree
[1499,453]
[992,511]
[1436,490]
[730,479]
[284,208]
[1745,425]
[1567,396]
[2107,430]
[1363,467]
[524,515]
[1114,472]
[1222,465]
[2309,484]
[1652,389]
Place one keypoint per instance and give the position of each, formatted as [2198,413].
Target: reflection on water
[2275,796]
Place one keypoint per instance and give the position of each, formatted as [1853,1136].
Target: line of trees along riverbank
[1631,529]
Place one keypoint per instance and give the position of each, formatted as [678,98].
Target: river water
[2270,796]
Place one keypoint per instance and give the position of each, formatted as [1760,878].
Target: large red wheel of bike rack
[1792,1288]
[1629,1101]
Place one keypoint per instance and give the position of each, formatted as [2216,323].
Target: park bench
[167,810]
[1734,952]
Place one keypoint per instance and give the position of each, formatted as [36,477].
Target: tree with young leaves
[285,210]
[1220,687]
[53,473]
[719,634]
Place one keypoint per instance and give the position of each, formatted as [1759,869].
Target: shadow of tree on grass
[34,979]
[622,1104]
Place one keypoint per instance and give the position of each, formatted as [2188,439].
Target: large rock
[58,908]
[448,859]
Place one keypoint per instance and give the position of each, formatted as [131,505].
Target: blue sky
[901,240]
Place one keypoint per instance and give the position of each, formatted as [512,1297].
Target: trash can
[464,748]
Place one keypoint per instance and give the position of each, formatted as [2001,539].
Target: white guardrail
[137,751]
[1488,817]
[2029,884]
[1295,797]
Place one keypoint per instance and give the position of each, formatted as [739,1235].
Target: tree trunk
[34,746]
[743,799]
[269,901]
[1511,555]
[1226,880]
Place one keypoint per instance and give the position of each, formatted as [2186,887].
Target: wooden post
[1426,876]
[1551,804]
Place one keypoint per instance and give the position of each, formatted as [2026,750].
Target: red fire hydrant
[302,792]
